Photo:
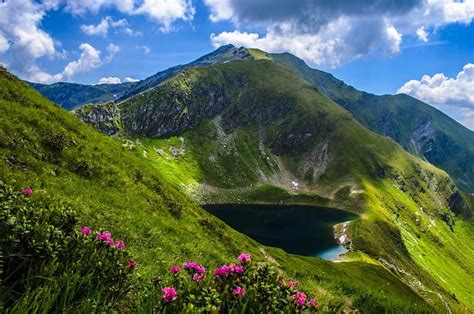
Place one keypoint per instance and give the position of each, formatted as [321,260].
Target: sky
[424,48]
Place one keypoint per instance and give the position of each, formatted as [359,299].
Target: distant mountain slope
[251,130]
[416,126]
[419,128]
[72,95]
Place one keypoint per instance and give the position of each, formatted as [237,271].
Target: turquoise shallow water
[297,229]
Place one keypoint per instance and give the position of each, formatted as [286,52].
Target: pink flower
[86,230]
[198,277]
[314,304]
[175,269]
[283,282]
[239,291]
[292,284]
[132,264]
[105,237]
[224,270]
[299,297]
[244,258]
[236,269]
[169,294]
[27,191]
[120,245]
[190,265]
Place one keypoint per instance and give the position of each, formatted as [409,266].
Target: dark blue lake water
[297,229]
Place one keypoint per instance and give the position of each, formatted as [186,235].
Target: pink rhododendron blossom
[292,284]
[175,269]
[120,245]
[27,191]
[236,269]
[239,291]
[198,276]
[105,237]
[169,294]
[190,265]
[314,304]
[244,258]
[299,297]
[224,270]
[132,264]
[86,230]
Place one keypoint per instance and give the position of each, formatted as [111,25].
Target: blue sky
[376,46]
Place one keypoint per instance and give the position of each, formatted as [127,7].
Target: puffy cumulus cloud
[340,41]
[21,34]
[109,80]
[422,34]
[88,60]
[331,32]
[163,12]
[452,95]
[103,27]
[167,11]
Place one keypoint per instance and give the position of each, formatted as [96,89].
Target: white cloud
[167,11]
[112,49]
[220,10]
[130,80]
[330,33]
[21,34]
[88,60]
[109,80]
[394,39]
[4,45]
[422,34]
[106,23]
[146,49]
[164,12]
[333,45]
[453,95]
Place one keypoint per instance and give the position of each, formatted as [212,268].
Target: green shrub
[50,264]
[234,288]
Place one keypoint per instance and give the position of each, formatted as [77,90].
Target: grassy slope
[399,117]
[232,160]
[113,186]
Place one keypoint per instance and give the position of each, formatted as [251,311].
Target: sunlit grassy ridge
[114,187]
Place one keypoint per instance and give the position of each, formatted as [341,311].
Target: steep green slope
[249,130]
[114,186]
[71,95]
[419,128]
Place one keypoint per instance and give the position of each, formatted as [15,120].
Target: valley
[237,127]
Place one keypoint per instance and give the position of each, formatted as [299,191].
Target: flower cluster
[169,294]
[197,271]
[106,237]
[233,288]
[227,270]
[27,191]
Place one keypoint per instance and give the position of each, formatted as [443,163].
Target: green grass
[116,188]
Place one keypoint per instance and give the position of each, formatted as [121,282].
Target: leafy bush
[233,288]
[43,248]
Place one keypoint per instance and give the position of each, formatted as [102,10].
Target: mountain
[253,131]
[119,184]
[71,95]
[419,128]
